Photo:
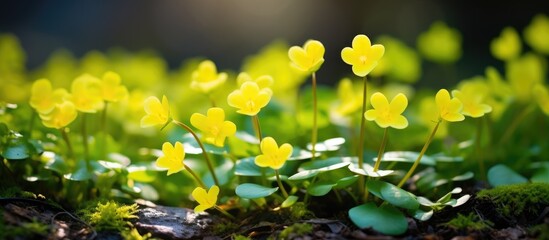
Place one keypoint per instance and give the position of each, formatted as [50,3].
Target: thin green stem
[381,149]
[418,159]
[513,126]
[85,142]
[31,123]
[212,100]
[198,180]
[314,135]
[280,184]
[204,153]
[257,127]
[67,141]
[227,214]
[361,178]
[478,148]
[104,130]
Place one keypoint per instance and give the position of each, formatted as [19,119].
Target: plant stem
[257,127]
[198,180]
[204,153]
[381,149]
[314,134]
[85,142]
[227,214]
[67,141]
[478,149]
[212,100]
[513,126]
[361,178]
[31,123]
[418,159]
[104,129]
[280,184]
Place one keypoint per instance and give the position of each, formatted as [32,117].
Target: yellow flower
[86,94]
[249,99]
[172,158]
[205,199]
[264,81]
[157,113]
[472,93]
[542,97]
[43,97]
[537,34]
[440,43]
[350,100]
[523,74]
[273,156]
[206,78]
[309,58]
[113,91]
[507,46]
[60,116]
[387,114]
[214,126]
[449,109]
[362,56]
[427,116]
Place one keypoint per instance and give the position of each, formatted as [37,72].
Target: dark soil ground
[328,222]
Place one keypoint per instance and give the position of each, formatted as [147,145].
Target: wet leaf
[253,191]
[500,174]
[393,194]
[385,219]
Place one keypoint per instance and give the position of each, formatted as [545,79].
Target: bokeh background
[228,31]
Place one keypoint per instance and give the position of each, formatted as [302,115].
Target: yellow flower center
[250,105]
[214,130]
[362,59]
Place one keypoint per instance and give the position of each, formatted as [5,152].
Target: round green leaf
[300,154]
[346,181]
[393,194]
[305,174]
[502,175]
[422,215]
[329,145]
[252,191]
[17,149]
[289,201]
[55,162]
[319,189]
[368,170]
[407,156]
[386,219]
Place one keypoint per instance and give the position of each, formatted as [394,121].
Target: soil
[329,223]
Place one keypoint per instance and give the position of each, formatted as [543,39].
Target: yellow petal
[361,43]
[349,56]
[200,195]
[285,151]
[371,114]
[165,107]
[262,161]
[179,151]
[212,195]
[376,52]
[399,122]
[362,70]
[268,146]
[199,121]
[379,102]
[299,58]
[200,208]
[152,105]
[236,99]
[399,104]
[150,120]
[442,98]
[216,114]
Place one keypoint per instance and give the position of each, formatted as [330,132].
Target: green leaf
[142,175]
[55,162]
[300,154]
[500,174]
[289,201]
[407,156]
[319,189]
[368,170]
[17,149]
[192,147]
[329,145]
[253,191]
[305,174]
[247,167]
[346,181]
[311,169]
[393,194]
[458,202]
[385,219]
[422,215]
[4,130]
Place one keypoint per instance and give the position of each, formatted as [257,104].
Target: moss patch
[470,222]
[296,230]
[517,200]
[109,215]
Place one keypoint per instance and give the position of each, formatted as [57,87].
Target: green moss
[12,192]
[224,227]
[517,199]
[240,237]
[295,230]
[540,231]
[133,234]
[27,230]
[299,211]
[469,222]
[109,215]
